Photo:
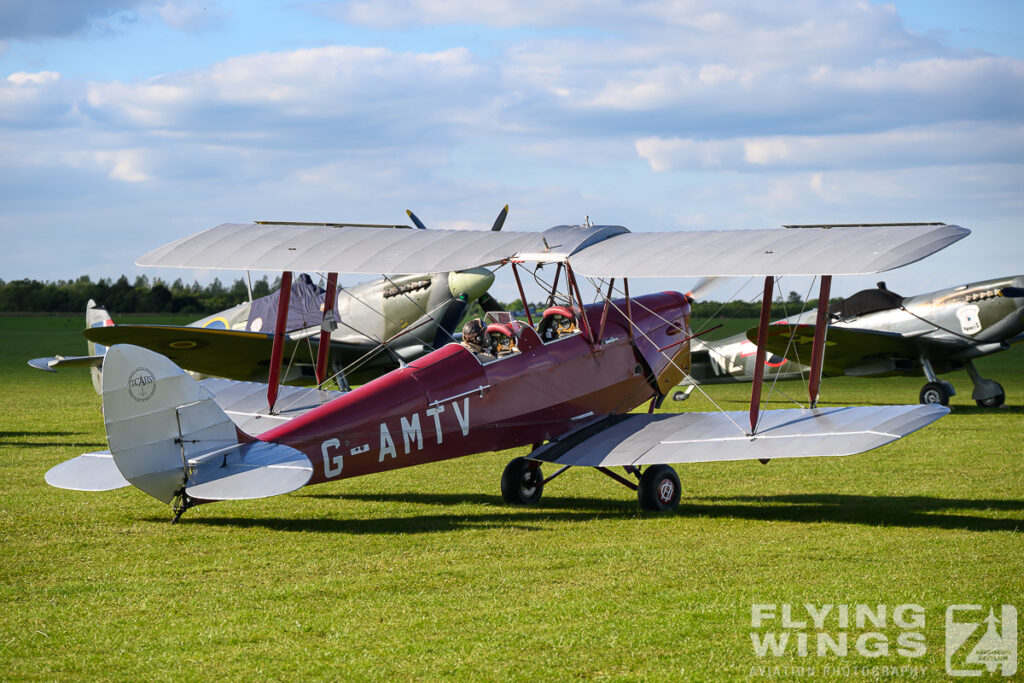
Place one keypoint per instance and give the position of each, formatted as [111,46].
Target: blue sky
[125,124]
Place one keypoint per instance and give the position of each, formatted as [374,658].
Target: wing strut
[277,352]
[604,310]
[326,327]
[575,289]
[522,294]
[629,309]
[554,285]
[762,340]
[818,349]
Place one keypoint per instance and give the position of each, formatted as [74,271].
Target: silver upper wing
[804,251]
[596,251]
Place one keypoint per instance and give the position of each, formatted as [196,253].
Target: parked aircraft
[568,391]
[878,333]
[374,327]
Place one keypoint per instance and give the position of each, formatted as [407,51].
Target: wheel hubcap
[528,484]
[666,489]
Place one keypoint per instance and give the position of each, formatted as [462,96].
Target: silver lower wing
[644,439]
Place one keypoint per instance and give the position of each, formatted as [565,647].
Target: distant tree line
[122,296]
[143,296]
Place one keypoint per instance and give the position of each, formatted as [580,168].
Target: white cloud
[190,15]
[937,145]
[650,114]
[38,78]
[125,164]
[373,84]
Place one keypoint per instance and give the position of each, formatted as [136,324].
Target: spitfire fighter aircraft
[565,384]
[373,327]
[877,333]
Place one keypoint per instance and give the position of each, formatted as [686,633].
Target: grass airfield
[425,574]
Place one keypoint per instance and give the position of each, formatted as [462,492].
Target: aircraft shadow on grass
[10,439]
[737,404]
[555,509]
[904,511]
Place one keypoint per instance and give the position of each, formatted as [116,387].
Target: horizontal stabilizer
[51,363]
[254,470]
[87,472]
[644,439]
[246,403]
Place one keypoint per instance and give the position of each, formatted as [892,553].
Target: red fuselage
[448,404]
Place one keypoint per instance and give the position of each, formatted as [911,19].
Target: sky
[125,124]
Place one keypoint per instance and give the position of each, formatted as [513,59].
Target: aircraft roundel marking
[183,344]
[217,324]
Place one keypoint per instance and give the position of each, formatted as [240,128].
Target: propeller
[489,303]
[703,286]
[415,220]
[499,222]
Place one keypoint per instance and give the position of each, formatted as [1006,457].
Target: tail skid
[169,438]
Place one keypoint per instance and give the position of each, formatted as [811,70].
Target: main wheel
[658,489]
[934,392]
[993,401]
[522,482]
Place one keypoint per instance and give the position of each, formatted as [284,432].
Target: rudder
[157,417]
[96,316]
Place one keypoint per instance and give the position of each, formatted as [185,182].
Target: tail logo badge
[141,384]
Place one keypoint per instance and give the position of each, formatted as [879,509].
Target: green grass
[424,574]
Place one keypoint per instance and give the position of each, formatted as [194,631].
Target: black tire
[934,392]
[659,489]
[995,401]
[522,482]
[679,396]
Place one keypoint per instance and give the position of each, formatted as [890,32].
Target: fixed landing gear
[657,486]
[936,392]
[683,395]
[659,489]
[987,393]
[522,482]
[993,401]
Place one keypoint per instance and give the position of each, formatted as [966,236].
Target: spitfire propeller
[499,222]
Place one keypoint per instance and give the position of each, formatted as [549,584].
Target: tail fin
[95,316]
[169,437]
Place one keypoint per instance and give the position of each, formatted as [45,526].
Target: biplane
[565,384]
[878,333]
[374,327]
